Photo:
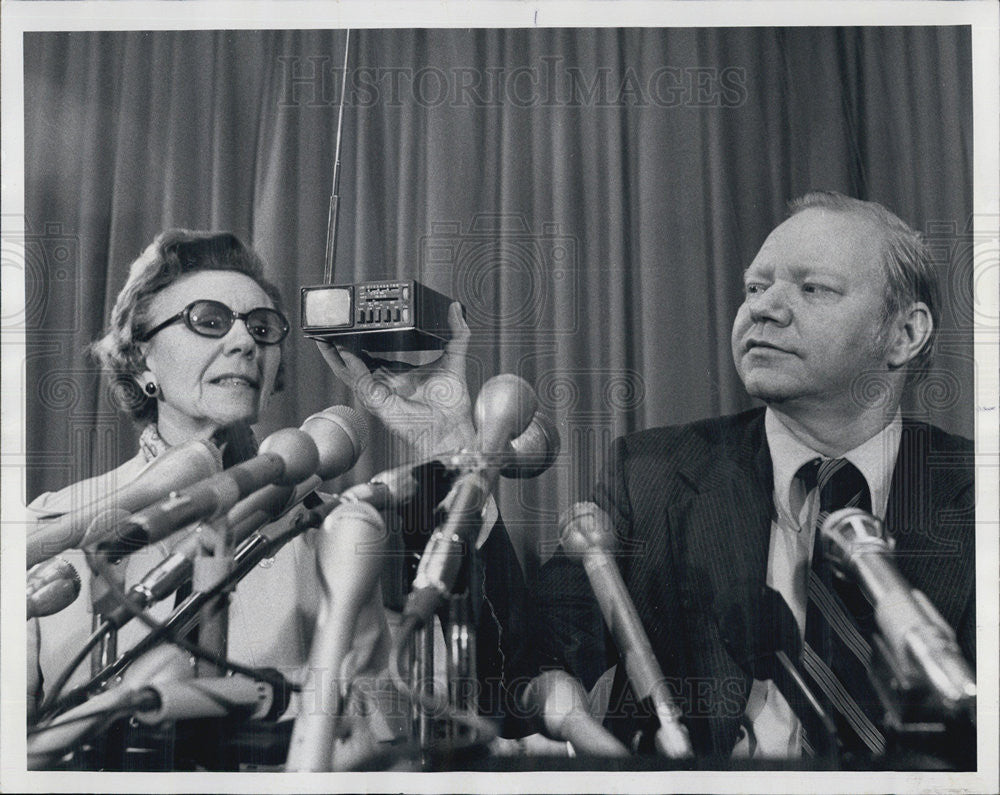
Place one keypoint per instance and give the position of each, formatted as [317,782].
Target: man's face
[810,320]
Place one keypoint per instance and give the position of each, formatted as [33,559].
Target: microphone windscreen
[584,526]
[341,435]
[297,451]
[503,409]
[535,450]
[51,586]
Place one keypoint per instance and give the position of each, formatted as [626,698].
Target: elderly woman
[195,337]
[194,341]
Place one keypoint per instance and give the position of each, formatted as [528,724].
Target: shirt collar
[151,444]
[875,458]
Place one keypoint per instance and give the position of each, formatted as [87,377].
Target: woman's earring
[150,388]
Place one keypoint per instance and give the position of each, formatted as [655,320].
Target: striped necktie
[836,655]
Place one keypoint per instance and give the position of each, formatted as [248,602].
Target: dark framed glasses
[214,319]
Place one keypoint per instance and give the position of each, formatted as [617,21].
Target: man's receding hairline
[875,224]
[858,213]
[881,218]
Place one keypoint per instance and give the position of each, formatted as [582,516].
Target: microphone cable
[163,631]
[51,704]
[313,517]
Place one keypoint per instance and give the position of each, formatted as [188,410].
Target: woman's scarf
[237,443]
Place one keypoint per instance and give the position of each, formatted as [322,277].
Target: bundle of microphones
[236,511]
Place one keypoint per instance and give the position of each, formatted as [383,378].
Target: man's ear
[908,334]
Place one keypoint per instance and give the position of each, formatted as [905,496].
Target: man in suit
[716,520]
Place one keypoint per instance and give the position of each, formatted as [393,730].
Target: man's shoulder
[713,435]
[701,453]
[943,462]
[937,439]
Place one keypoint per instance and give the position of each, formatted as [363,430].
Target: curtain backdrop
[592,196]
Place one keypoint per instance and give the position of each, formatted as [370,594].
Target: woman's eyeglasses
[214,319]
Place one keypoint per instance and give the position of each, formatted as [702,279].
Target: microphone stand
[211,567]
[460,640]
[458,618]
[458,626]
[213,617]
[109,747]
[503,410]
[107,650]
[102,599]
[209,605]
[421,681]
[123,746]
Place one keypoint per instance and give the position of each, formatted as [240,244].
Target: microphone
[52,586]
[209,697]
[252,551]
[918,637]
[177,568]
[349,560]
[587,535]
[560,702]
[534,451]
[286,457]
[341,435]
[526,456]
[48,742]
[157,688]
[177,468]
[504,409]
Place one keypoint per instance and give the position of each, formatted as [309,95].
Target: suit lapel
[725,563]
[721,537]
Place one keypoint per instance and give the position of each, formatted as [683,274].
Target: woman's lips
[235,380]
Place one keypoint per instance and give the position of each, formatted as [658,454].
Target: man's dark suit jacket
[692,506]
